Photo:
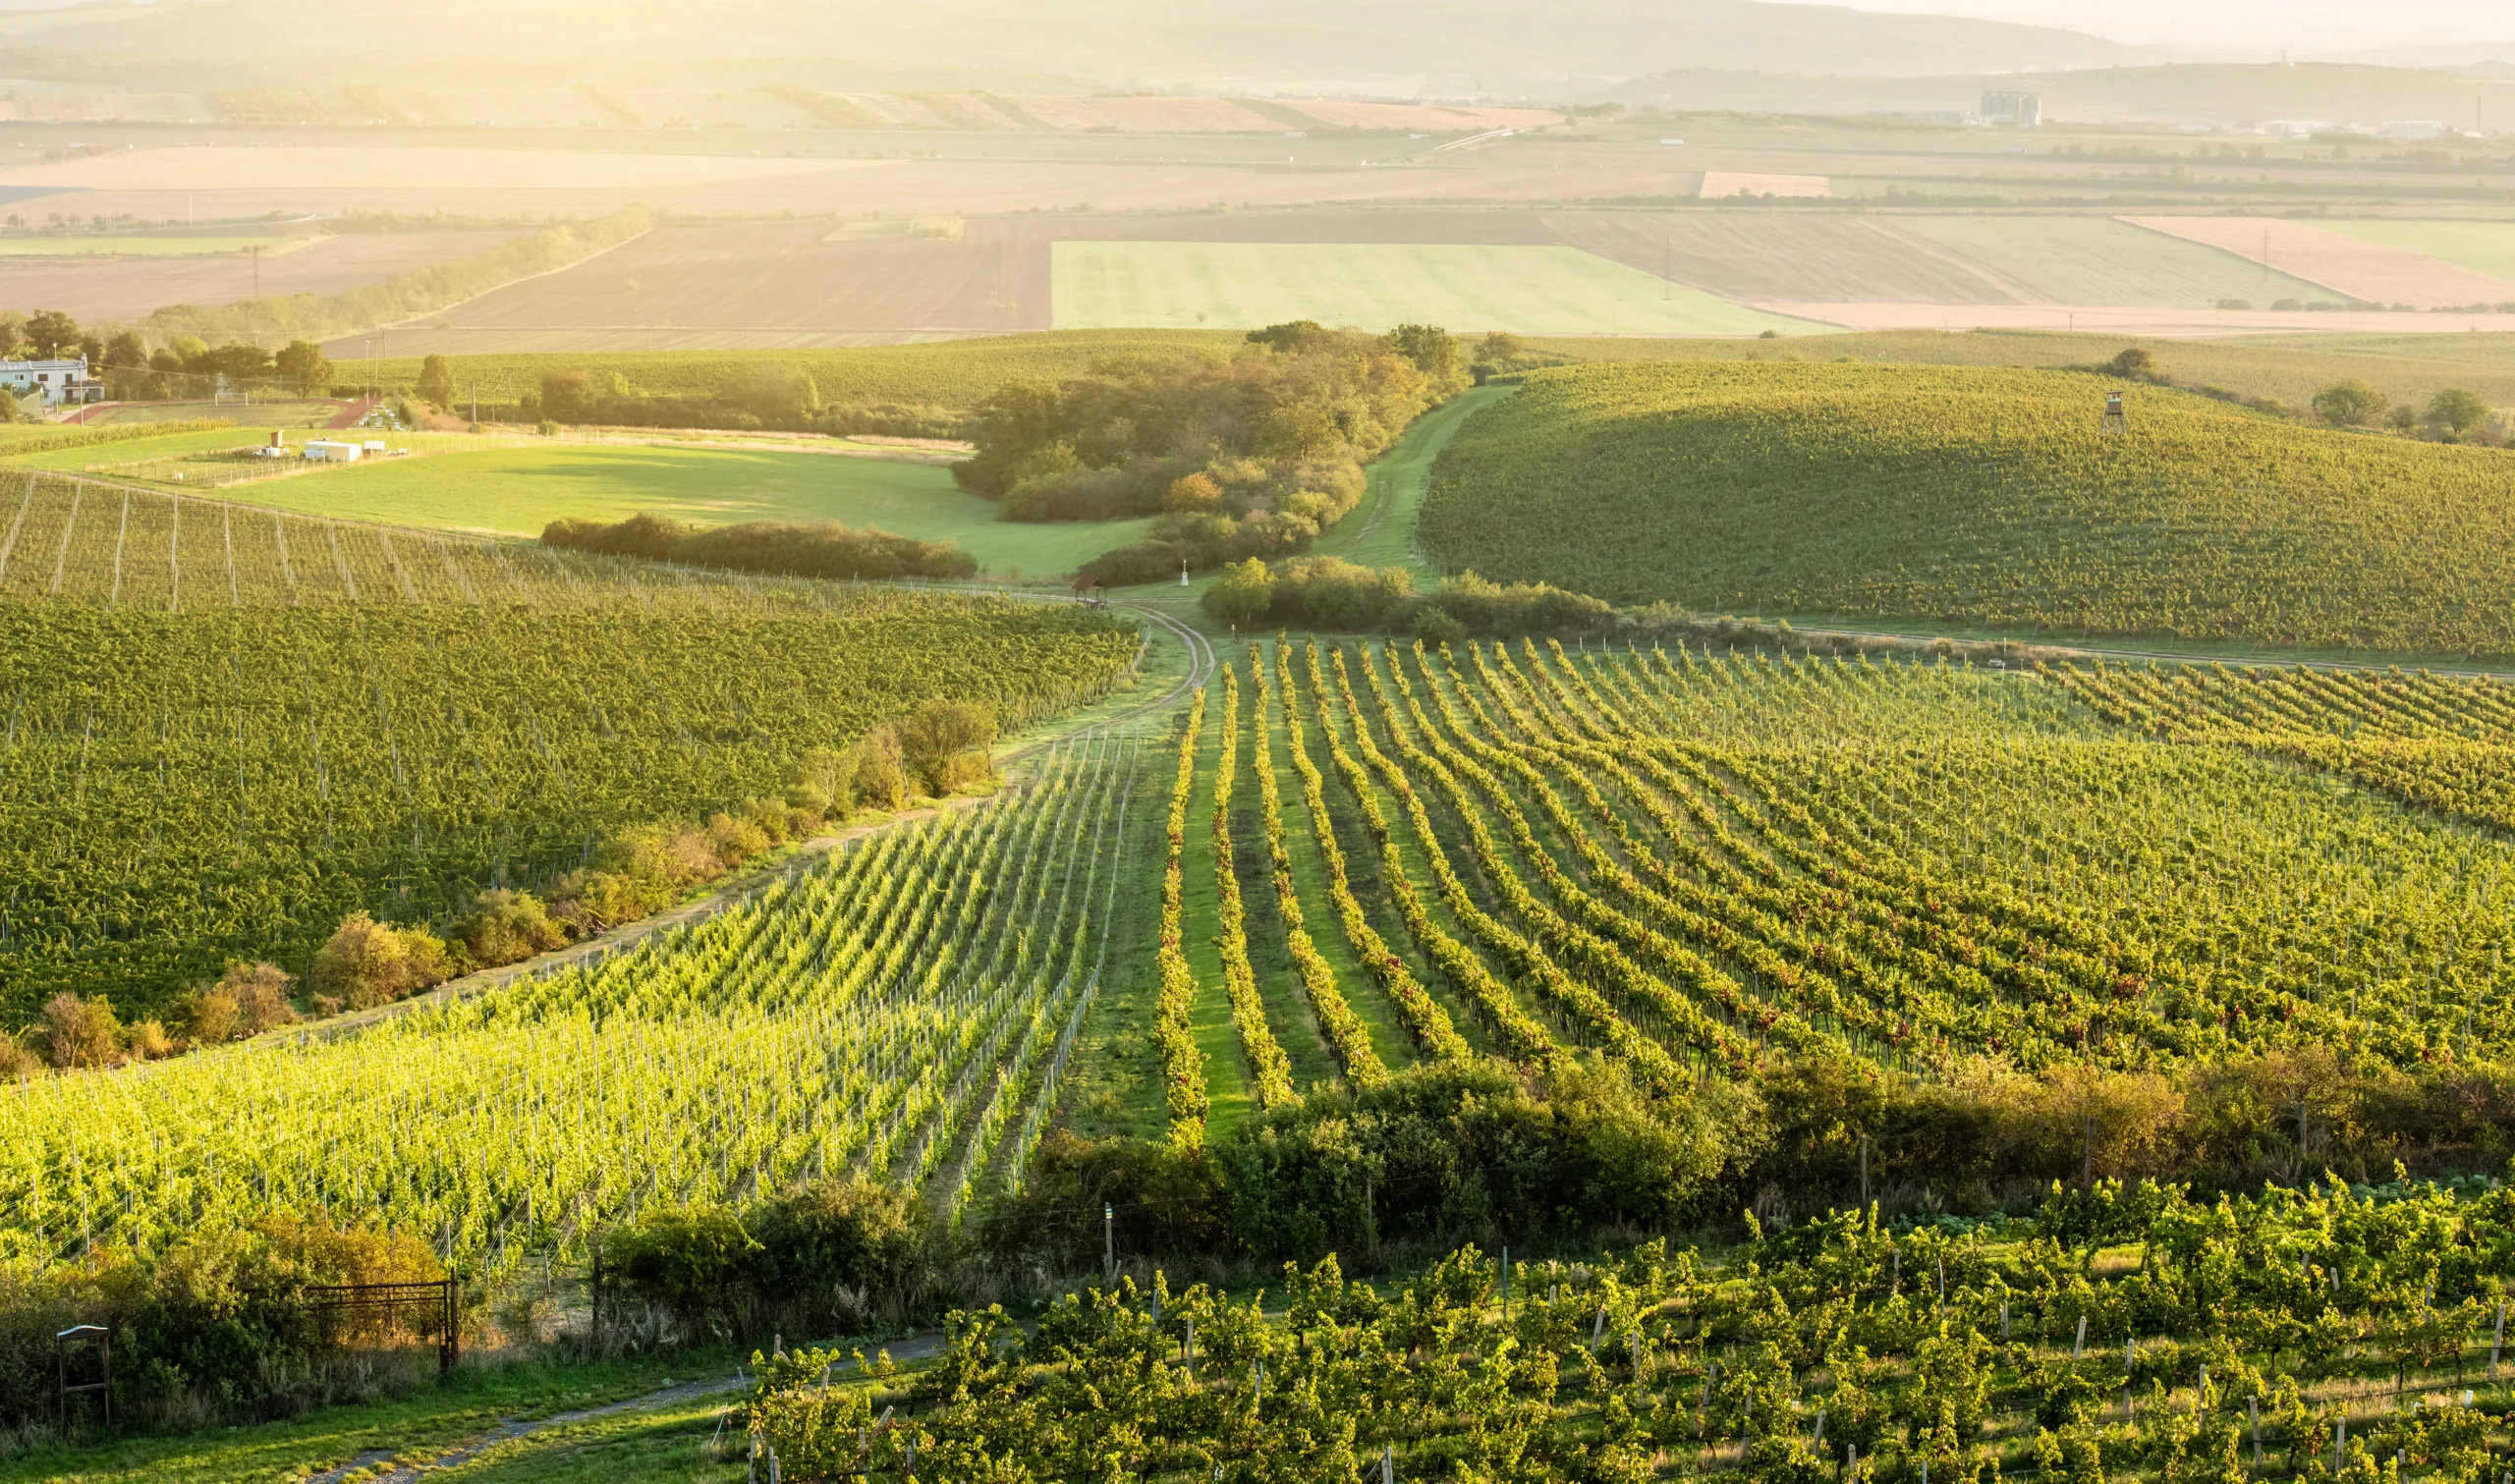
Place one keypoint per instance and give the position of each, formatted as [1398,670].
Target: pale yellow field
[2376,272]
[1149,115]
[1431,118]
[229,168]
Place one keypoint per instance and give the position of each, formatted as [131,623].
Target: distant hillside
[2206,93]
[1492,47]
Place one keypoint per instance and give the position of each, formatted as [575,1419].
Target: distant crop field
[519,490]
[2360,266]
[2097,260]
[2481,246]
[143,247]
[1466,288]
[131,287]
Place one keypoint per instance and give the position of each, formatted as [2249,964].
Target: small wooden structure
[2114,420]
[101,1340]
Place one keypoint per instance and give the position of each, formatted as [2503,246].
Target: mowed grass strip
[517,491]
[1561,290]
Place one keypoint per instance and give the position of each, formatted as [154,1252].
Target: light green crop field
[1559,291]
[2481,246]
[139,247]
[2098,260]
[519,490]
[131,450]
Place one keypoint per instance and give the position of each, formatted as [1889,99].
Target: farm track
[917,1347]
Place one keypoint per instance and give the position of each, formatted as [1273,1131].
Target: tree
[1292,335]
[81,1032]
[775,391]
[2350,403]
[1192,492]
[9,410]
[367,963]
[436,382]
[1243,595]
[567,397]
[303,366]
[2458,412]
[51,333]
[881,769]
[506,928]
[2135,363]
[943,744]
[125,352]
[1432,349]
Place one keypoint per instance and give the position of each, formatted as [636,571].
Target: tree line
[1249,453]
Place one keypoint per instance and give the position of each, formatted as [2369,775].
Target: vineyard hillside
[1990,499]
[226,728]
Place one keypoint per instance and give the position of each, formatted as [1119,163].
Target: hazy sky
[2265,26]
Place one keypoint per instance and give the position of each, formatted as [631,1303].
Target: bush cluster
[753,395]
[826,549]
[1330,593]
[1249,453]
[214,1328]
[938,749]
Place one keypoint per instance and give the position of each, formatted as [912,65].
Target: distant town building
[54,383]
[2017,110]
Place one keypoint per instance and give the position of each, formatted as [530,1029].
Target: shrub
[2458,412]
[823,781]
[80,1034]
[2350,403]
[507,927]
[943,744]
[684,1261]
[366,962]
[881,770]
[1243,595]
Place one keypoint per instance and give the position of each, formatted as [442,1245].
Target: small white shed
[328,451]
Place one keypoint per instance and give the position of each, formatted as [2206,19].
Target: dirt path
[906,1351]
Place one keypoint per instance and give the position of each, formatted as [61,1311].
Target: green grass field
[1532,290]
[2481,246]
[519,490]
[1980,497]
[306,412]
[2098,260]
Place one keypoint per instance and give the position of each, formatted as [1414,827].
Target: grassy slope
[1532,290]
[1380,532]
[434,1417]
[2097,260]
[1987,498]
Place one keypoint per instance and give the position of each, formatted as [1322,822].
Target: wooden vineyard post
[2497,1342]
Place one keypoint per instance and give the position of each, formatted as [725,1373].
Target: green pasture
[517,490]
[2481,246]
[291,413]
[2098,260]
[91,455]
[1531,289]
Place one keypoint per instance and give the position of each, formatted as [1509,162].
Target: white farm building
[52,382]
